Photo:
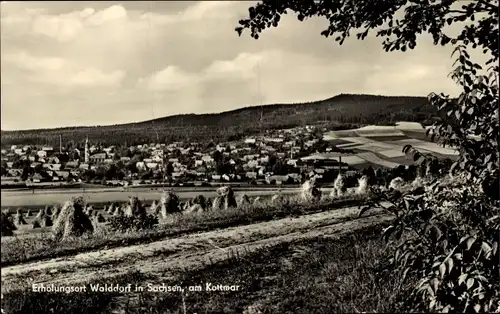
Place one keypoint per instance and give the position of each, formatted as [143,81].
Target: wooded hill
[339,112]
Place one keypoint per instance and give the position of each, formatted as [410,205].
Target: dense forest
[340,112]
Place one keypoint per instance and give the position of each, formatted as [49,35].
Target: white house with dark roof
[97,158]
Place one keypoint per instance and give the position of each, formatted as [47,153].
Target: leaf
[435,284]
[386,232]
[430,291]
[477,308]
[468,240]
[470,283]
[432,304]
[449,264]
[481,278]
[442,270]
[486,248]
[462,278]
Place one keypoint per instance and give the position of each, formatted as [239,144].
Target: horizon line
[211,113]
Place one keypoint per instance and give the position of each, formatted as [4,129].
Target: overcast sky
[97,63]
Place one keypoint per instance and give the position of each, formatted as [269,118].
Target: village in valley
[278,157]
[268,159]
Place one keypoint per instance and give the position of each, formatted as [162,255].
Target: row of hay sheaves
[75,218]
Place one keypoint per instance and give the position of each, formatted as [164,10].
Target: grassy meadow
[324,275]
[23,248]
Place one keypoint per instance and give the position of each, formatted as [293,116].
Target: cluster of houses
[248,160]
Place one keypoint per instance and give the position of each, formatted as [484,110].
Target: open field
[381,146]
[38,243]
[169,260]
[147,256]
[196,245]
[328,274]
[26,199]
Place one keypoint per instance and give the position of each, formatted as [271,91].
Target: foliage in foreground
[450,235]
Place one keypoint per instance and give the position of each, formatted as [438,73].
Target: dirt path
[165,258]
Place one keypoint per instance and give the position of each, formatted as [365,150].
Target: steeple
[87,150]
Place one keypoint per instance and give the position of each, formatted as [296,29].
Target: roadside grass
[324,275]
[22,249]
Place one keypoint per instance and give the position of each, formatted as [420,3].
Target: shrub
[132,223]
[7,226]
[449,233]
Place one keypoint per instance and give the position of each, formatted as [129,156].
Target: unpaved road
[163,259]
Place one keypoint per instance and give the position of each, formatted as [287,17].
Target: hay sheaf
[28,213]
[363,187]
[135,208]
[186,205]
[72,221]
[226,198]
[99,218]
[195,208]
[19,219]
[310,191]
[36,224]
[278,198]
[396,183]
[169,204]
[154,208]
[200,200]
[89,210]
[208,204]
[43,219]
[339,187]
[111,208]
[48,210]
[7,226]
[244,200]
[217,203]
[40,214]
[118,211]
[56,209]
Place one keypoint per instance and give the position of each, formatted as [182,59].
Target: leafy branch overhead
[346,17]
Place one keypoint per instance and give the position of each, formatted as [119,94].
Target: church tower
[87,150]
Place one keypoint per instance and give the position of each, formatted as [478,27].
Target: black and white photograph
[254,157]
